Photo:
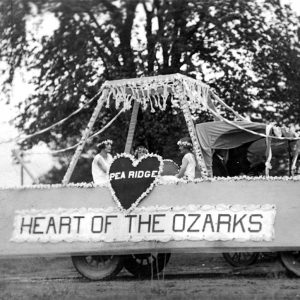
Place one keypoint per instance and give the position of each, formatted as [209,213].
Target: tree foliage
[246,50]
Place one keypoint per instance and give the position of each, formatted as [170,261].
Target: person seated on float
[188,165]
[257,164]
[219,163]
[102,161]
[140,151]
[257,169]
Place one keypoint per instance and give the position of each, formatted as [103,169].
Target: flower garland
[184,144]
[159,181]
[141,209]
[135,162]
[106,142]
[231,179]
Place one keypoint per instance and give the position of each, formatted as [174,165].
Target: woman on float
[140,151]
[188,165]
[101,162]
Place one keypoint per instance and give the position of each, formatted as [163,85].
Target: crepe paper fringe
[154,91]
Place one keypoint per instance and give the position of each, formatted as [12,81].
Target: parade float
[140,216]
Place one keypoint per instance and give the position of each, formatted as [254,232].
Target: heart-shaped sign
[131,180]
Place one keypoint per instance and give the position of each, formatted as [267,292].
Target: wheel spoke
[146,265]
[235,256]
[148,262]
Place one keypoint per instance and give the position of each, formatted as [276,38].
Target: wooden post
[192,132]
[132,125]
[84,138]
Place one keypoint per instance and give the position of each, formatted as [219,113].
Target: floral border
[159,182]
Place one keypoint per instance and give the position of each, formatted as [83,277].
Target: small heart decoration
[131,180]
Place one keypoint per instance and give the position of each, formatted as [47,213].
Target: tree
[246,50]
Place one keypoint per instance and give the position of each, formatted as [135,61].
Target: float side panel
[285,195]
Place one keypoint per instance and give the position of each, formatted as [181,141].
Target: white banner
[193,222]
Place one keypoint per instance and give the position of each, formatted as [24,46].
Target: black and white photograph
[149,149]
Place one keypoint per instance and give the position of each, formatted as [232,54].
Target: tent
[222,135]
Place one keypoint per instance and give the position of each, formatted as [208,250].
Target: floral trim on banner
[122,235]
[111,209]
[160,181]
[135,162]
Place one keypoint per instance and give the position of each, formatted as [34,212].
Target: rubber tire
[291,261]
[242,260]
[98,267]
[135,264]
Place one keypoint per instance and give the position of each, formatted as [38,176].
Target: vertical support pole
[268,165]
[132,125]
[294,161]
[192,132]
[84,138]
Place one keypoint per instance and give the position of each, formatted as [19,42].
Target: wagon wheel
[146,265]
[291,260]
[241,259]
[98,267]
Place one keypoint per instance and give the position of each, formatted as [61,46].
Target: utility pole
[22,175]
[18,158]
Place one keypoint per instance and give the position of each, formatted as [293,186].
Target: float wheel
[241,259]
[291,261]
[98,267]
[146,265]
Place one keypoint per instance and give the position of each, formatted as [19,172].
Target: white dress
[99,176]
[191,166]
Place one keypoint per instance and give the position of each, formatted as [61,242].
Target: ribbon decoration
[269,149]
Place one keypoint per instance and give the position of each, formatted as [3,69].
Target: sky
[295,4]
[38,162]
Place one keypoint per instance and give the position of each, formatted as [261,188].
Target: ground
[187,276]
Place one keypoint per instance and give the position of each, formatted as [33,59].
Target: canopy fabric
[221,135]
[153,92]
[258,148]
